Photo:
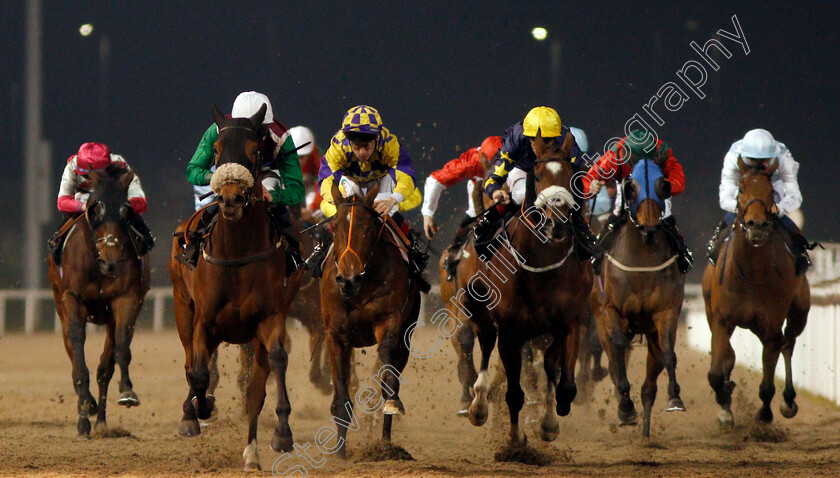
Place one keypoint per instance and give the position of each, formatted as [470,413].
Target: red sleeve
[466,166]
[138,204]
[604,170]
[673,171]
[69,204]
[316,201]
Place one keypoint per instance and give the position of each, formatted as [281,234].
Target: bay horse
[238,291]
[643,294]
[101,280]
[368,297]
[754,286]
[541,287]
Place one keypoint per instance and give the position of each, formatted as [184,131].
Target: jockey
[75,189]
[282,181]
[618,163]
[310,157]
[471,165]
[758,147]
[364,153]
[517,160]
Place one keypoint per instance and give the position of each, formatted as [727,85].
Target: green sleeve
[289,168]
[202,158]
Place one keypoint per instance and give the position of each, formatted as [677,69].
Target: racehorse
[238,291]
[102,281]
[368,297]
[542,289]
[754,286]
[643,293]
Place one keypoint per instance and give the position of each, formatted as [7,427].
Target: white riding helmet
[301,135]
[759,144]
[580,139]
[248,103]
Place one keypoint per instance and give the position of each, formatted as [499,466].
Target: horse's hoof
[725,420]
[281,443]
[788,411]
[100,425]
[83,427]
[627,416]
[478,412]
[599,374]
[252,459]
[549,430]
[675,405]
[128,399]
[563,409]
[189,428]
[517,438]
[764,416]
[393,407]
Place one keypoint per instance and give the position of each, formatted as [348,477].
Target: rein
[352,205]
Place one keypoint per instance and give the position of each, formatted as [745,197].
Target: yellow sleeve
[392,154]
[412,201]
[336,161]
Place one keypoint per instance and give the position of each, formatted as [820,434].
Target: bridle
[353,204]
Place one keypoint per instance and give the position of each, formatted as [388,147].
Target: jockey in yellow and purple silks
[363,153]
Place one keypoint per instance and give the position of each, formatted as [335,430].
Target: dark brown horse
[754,286]
[534,287]
[368,297]
[101,281]
[238,291]
[643,294]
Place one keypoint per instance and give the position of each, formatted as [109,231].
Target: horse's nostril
[239,200]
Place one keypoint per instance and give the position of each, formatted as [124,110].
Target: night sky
[444,75]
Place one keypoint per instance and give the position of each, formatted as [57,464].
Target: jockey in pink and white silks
[759,149]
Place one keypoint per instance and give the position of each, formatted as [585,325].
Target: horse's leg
[464,343]
[796,319]
[567,388]
[341,407]
[510,350]
[74,343]
[213,366]
[531,379]
[584,375]
[766,389]
[125,310]
[184,312]
[104,373]
[246,370]
[723,361]
[199,373]
[254,401]
[649,388]
[666,324]
[272,333]
[486,334]
[616,343]
[550,427]
[393,353]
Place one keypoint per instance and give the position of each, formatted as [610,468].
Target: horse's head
[238,161]
[553,175]
[755,201]
[645,192]
[356,228]
[108,212]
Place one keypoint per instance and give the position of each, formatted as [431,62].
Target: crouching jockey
[281,178]
[618,163]
[472,166]
[75,189]
[517,160]
[362,154]
[760,150]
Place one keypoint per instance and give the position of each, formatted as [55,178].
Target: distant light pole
[555,61]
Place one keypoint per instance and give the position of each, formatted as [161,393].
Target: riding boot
[450,263]
[586,246]
[281,220]
[54,245]
[685,259]
[191,250]
[313,263]
[484,229]
[145,240]
[799,246]
[713,248]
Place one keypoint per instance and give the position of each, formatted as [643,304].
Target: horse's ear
[743,167]
[371,194]
[125,179]
[94,177]
[259,116]
[338,198]
[218,116]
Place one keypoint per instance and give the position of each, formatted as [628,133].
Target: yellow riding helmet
[362,119]
[542,120]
